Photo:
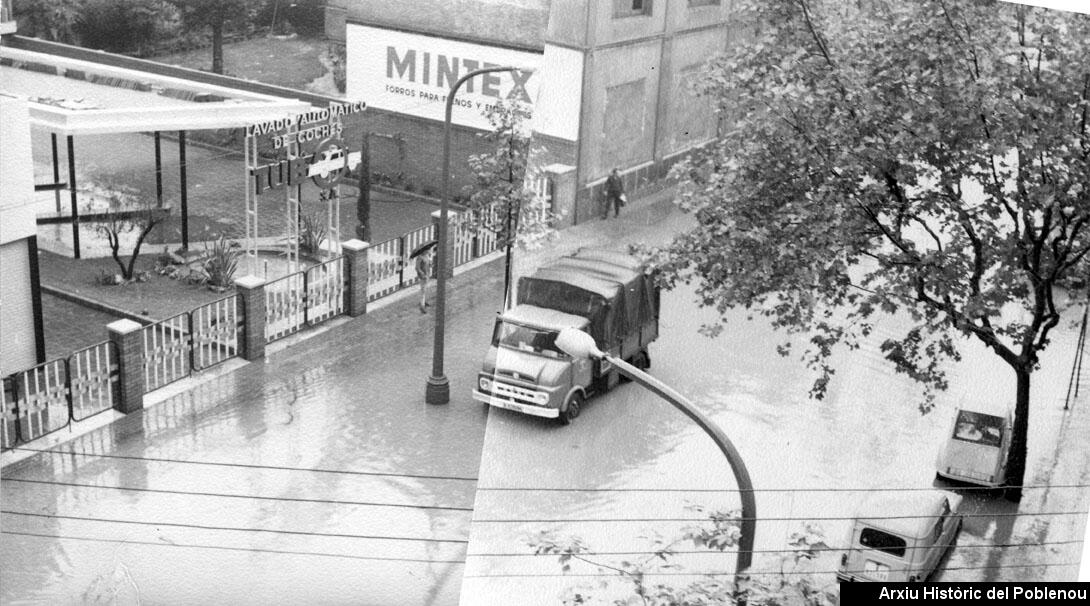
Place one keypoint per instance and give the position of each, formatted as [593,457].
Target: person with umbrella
[424,267]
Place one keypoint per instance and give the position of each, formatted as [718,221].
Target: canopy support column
[72,191]
[184,198]
[158,171]
[56,172]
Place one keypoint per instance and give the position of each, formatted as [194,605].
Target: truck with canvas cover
[601,292]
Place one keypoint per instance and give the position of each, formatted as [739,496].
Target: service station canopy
[83,98]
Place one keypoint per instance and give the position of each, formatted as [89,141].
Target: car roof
[545,318]
[907,513]
[988,407]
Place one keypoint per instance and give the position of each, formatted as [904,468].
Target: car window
[978,428]
[883,541]
[940,524]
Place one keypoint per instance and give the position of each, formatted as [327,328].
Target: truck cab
[604,293]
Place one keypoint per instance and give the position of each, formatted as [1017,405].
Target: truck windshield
[525,338]
[978,428]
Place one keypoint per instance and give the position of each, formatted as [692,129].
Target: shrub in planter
[311,233]
[222,262]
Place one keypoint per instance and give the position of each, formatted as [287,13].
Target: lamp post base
[438,390]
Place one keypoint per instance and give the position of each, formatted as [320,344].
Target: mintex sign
[413,73]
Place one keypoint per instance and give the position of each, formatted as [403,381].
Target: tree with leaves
[126,214]
[797,583]
[216,15]
[930,158]
[53,20]
[501,199]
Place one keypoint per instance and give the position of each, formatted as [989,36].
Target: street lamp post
[579,344]
[438,387]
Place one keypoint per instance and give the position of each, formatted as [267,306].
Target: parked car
[900,536]
[977,447]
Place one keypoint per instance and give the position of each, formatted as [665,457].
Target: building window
[631,8]
[693,3]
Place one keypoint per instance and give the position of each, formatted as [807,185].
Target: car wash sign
[326,166]
[412,74]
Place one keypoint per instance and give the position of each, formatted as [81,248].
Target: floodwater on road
[630,467]
[318,476]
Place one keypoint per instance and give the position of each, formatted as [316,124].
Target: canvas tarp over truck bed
[608,288]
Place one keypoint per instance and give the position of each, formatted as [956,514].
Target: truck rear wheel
[575,405]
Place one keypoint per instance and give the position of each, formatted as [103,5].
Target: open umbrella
[419,250]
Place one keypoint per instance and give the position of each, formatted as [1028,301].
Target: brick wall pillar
[562,178]
[357,270]
[128,336]
[251,290]
[451,236]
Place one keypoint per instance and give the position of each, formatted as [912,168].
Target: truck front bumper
[509,404]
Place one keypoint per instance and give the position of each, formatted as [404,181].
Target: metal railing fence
[49,396]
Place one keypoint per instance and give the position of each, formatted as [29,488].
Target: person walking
[615,195]
[423,272]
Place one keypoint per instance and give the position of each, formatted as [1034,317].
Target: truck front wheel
[575,405]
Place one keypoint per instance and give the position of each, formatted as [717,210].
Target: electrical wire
[557,488]
[228,548]
[241,496]
[381,474]
[776,519]
[231,528]
[815,549]
[748,573]
[793,490]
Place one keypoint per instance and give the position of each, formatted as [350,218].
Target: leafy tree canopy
[929,157]
[926,156]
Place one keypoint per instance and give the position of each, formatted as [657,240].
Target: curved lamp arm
[579,344]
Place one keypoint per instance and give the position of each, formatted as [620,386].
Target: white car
[977,447]
[900,537]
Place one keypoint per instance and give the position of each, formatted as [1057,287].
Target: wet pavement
[266,485]
[630,466]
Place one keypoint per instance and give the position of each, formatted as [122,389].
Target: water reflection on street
[810,461]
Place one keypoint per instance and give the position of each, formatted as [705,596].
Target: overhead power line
[241,496]
[774,518]
[228,548]
[381,474]
[715,573]
[233,528]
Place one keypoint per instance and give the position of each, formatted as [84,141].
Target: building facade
[22,343]
[611,82]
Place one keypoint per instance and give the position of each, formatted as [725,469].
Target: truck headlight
[540,397]
[485,383]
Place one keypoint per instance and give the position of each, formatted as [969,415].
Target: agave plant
[311,233]
[222,262]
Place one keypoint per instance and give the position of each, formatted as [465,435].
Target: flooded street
[630,466]
[319,476]
[316,477]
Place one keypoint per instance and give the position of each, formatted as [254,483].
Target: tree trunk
[363,201]
[217,48]
[114,240]
[1016,460]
